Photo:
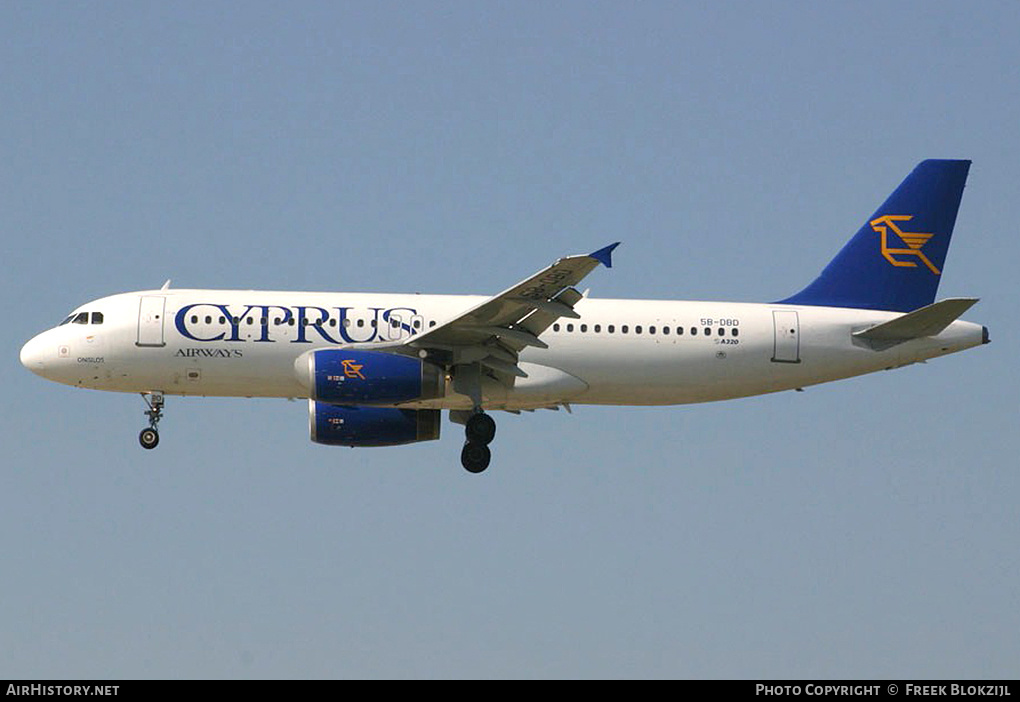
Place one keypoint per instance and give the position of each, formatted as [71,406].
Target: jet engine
[370,426]
[356,377]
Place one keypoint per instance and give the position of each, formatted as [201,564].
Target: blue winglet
[605,255]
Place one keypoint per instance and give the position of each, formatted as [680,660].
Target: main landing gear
[149,437]
[479,430]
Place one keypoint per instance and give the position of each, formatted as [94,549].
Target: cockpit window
[83,318]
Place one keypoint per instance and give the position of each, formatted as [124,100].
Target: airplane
[379,369]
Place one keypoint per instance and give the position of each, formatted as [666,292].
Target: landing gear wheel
[475,457]
[480,428]
[148,438]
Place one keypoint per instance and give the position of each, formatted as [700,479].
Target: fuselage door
[393,327]
[417,325]
[150,321]
[787,330]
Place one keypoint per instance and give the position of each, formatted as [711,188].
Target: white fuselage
[619,352]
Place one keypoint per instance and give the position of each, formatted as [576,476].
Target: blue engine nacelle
[370,426]
[355,377]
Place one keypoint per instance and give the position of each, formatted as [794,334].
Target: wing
[494,332]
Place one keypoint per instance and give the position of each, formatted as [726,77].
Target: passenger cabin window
[97,317]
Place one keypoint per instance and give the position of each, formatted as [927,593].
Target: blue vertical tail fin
[895,260]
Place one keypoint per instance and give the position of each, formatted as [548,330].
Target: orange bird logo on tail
[915,241]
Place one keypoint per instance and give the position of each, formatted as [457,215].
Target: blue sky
[866,528]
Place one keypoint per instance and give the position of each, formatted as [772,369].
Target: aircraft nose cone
[32,356]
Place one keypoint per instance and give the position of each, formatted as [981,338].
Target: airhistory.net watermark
[63,690]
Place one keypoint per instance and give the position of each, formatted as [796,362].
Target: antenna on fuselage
[166,285]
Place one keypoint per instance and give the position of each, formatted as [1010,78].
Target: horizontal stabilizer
[925,321]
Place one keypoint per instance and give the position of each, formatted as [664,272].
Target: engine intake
[355,377]
[370,426]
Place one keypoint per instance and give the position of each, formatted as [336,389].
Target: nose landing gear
[149,437]
[479,430]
